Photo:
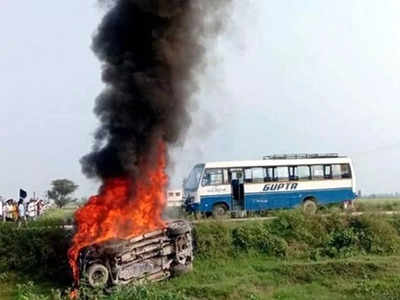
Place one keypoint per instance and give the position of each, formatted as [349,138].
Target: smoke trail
[151,51]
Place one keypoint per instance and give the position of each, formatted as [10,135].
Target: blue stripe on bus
[275,200]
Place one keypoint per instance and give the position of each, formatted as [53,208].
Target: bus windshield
[193,180]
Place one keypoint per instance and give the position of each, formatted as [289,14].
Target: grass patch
[291,257]
[378,204]
[60,215]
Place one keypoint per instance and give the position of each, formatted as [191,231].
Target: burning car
[152,256]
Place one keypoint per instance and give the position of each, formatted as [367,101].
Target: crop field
[294,256]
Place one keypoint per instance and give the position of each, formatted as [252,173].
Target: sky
[285,77]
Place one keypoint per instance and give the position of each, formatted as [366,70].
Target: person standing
[1,209]
[21,212]
[15,211]
[9,210]
[31,213]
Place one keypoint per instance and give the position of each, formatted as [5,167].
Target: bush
[40,251]
[212,239]
[258,237]
[376,234]
[293,234]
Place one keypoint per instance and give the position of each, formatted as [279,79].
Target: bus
[275,182]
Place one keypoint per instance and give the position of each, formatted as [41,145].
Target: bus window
[193,180]
[254,175]
[303,173]
[258,175]
[345,168]
[341,171]
[226,177]
[235,173]
[248,175]
[293,173]
[281,174]
[327,171]
[269,174]
[317,172]
[212,177]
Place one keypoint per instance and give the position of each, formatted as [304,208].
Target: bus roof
[277,162]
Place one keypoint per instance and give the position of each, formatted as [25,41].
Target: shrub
[343,242]
[212,239]
[40,251]
[258,237]
[376,234]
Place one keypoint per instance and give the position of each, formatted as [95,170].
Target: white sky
[287,76]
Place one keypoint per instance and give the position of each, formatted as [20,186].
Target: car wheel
[309,207]
[97,275]
[179,227]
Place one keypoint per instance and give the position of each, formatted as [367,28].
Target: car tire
[310,207]
[219,211]
[98,275]
[179,228]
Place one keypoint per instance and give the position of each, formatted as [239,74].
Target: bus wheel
[219,210]
[309,207]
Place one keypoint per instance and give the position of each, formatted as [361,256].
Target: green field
[373,204]
[295,256]
[254,277]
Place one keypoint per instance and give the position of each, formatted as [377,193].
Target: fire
[73,295]
[123,209]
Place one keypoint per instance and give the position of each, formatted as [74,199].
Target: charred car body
[153,256]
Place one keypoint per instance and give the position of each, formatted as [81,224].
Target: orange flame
[123,209]
[74,295]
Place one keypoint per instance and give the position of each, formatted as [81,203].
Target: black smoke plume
[151,51]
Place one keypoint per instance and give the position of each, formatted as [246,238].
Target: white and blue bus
[277,181]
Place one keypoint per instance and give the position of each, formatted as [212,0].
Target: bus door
[237,184]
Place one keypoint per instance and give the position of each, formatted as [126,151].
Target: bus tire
[220,210]
[309,206]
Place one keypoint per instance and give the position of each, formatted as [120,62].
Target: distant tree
[61,191]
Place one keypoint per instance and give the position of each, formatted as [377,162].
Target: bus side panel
[276,200]
[207,202]
[266,201]
[332,195]
[255,199]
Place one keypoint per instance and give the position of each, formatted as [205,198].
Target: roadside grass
[378,204]
[63,215]
[252,277]
[294,256]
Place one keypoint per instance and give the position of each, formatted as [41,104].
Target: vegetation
[61,191]
[378,204]
[293,256]
[57,215]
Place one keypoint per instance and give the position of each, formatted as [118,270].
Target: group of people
[13,211]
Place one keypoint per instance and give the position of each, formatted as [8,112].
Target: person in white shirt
[31,210]
[1,209]
[21,212]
